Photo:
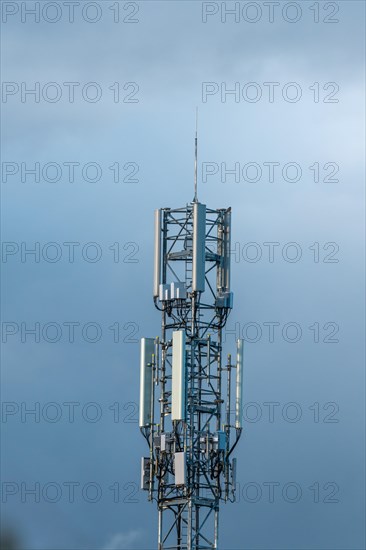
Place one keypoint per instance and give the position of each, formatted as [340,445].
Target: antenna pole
[195,160]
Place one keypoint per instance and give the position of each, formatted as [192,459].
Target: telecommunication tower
[190,402]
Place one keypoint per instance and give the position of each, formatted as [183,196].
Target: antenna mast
[190,394]
[195,160]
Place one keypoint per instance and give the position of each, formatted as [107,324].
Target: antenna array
[190,427]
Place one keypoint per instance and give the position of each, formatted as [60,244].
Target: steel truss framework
[189,512]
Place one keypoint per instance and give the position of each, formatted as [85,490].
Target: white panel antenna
[239,382]
[199,234]
[146,359]
[157,253]
[179,375]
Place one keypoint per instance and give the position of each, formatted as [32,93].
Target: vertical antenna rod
[195,160]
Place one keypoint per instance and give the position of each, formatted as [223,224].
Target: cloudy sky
[105,137]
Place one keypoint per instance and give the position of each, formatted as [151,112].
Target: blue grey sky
[311,371]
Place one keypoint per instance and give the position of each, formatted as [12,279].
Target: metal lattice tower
[187,411]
